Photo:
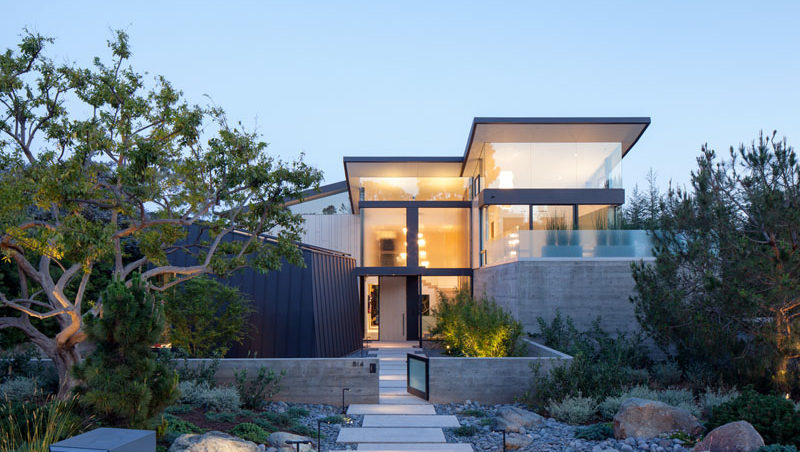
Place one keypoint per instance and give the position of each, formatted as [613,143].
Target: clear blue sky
[406,78]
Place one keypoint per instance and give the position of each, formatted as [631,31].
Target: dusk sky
[406,78]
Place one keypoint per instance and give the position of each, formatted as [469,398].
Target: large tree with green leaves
[96,162]
[724,292]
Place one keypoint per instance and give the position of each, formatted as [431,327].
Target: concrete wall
[582,289]
[310,380]
[485,380]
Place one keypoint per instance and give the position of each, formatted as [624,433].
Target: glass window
[372,305]
[433,287]
[597,217]
[502,225]
[549,218]
[552,165]
[443,238]
[334,204]
[384,237]
[415,188]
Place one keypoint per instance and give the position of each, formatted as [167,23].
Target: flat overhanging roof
[624,130]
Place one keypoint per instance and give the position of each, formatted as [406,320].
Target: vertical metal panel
[298,312]
[412,308]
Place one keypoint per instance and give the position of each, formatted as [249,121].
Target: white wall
[339,232]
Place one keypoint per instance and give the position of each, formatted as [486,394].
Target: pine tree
[122,381]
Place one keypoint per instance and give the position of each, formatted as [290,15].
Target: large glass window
[502,225]
[415,188]
[443,238]
[552,217]
[597,217]
[433,287]
[552,165]
[384,237]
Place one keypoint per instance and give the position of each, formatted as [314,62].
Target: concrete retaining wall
[489,380]
[582,289]
[311,380]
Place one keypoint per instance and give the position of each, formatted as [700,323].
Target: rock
[278,439]
[213,441]
[517,441]
[649,418]
[279,407]
[737,436]
[512,419]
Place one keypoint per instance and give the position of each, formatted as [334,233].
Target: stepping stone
[409,420]
[390,435]
[371,408]
[407,399]
[447,447]
[393,384]
[395,391]
[392,378]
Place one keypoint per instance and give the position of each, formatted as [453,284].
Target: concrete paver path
[401,421]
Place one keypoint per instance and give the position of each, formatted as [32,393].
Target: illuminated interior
[414,188]
[443,238]
[384,238]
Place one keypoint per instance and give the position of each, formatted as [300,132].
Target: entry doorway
[392,308]
[385,301]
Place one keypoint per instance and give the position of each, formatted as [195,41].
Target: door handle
[403,326]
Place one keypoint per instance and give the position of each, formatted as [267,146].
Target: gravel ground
[549,436]
[315,412]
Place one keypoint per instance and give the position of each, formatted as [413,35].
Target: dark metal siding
[299,312]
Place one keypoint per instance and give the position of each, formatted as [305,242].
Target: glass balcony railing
[529,245]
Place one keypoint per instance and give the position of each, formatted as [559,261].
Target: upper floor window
[415,188]
[552,165]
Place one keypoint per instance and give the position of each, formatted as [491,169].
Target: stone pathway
[401,421]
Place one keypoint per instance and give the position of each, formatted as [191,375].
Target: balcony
[569,244]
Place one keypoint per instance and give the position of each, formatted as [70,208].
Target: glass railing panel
[539,244]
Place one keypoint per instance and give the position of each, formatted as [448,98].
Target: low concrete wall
[581,288]
[489,380]
[310,380]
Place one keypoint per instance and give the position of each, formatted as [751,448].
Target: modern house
[528,216]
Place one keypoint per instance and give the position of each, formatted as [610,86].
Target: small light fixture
[424,264]
[419,235]
[421,242]
[405,230]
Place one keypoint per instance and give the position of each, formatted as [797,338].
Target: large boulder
[512,419]
[278,440]
[642,418]
[737,436]
[213,441]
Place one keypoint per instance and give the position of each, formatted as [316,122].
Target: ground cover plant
[476,327]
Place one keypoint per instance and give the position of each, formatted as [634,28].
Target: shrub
[122,380]
[26,426]
[255,392]
[667,373]
[465,430]
[19,388]
[595,432]
[180,426]
[680,398]
[250,432]
[473,413]
[224,416]
[296,411]
[602,365]
[713,398]
[223,398]
[206,316]
[472,327]
[777,448]
[573,410]
[203,372]
[334,419]
[775,418]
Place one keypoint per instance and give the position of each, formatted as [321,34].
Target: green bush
[595,432]
[777,448]
[255,392]
[667,373]
[180,426]
[480,328]
[775,418]
[122,380]
[223,416]
[465,430]
[573,410]
[19,388]
[33,427]
[206,316]
[223,398]
[712,398]
[334,419]
[602,365]
[250,432]
[472,413]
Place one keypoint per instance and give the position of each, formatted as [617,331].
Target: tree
[95,163]
[121,380]
[724,292]
[643,211]
[205,316]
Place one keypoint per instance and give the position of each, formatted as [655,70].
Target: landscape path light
[343,391]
